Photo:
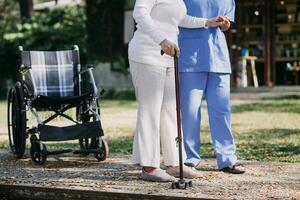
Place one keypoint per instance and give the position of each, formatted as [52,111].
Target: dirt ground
[116,174]
[263,180]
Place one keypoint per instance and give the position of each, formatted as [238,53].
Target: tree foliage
[96,27]
[8,14]
[53,30]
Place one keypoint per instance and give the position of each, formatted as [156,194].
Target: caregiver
[153,80]
[205,71]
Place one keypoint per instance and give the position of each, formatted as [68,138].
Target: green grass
[3,111]
[270,106]
[115,104]
[267,130]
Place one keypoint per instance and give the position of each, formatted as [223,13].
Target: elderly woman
[153,79]
[205,71]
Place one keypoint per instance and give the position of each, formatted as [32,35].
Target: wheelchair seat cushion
[46,101]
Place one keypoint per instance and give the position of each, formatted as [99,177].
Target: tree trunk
[26,8]
[105,28]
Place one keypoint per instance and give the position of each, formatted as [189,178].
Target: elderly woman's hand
[215,22]
[169,48]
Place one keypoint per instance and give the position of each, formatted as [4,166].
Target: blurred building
[269,30]
[266,29]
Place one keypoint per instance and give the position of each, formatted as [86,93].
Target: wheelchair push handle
[25,67]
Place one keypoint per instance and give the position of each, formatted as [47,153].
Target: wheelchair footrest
[87,151]
[58,152]
[74,132]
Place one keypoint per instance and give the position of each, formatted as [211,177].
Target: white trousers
[156,116]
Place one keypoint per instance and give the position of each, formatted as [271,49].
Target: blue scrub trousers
[216,88]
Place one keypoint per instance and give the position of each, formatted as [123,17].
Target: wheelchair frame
[20,101]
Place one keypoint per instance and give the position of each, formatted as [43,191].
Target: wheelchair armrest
[27,77]
[24,69]
[89,66]
[86,68]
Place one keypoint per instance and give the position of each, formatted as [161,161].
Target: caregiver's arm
[144,21]
[196,22]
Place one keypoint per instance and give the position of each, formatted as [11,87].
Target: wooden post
[239,39]
[272,38]
[267,50]
[244,78]
[104,29]
[253,69]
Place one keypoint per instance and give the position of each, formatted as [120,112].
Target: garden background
[266,127]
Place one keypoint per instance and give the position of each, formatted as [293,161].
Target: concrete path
[117,176]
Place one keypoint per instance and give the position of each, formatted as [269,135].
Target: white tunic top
[158,20]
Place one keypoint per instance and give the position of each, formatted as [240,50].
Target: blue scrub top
[205,49]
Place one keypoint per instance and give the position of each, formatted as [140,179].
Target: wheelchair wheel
[104,150]
[16,120]
[38,156]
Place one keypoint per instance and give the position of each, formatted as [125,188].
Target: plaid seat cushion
[53,73]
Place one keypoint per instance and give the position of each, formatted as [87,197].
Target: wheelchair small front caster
[38,155]
[103,150]
[100,156]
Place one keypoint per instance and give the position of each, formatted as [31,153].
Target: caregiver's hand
[169,48]
[226,25]
[215,22]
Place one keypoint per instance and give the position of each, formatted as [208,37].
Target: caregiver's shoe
[157,175]
[235,169]
[188,172]
[195,166]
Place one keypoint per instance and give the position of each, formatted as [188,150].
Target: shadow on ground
[121,144]
[270,144]
[289,97]
[260,135]
[289,106]
[264,145]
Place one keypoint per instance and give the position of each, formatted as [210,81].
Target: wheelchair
[55,82]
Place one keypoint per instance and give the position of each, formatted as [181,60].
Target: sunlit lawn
[3,113]
[267,130]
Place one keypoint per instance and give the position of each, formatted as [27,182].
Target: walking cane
[181,183]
